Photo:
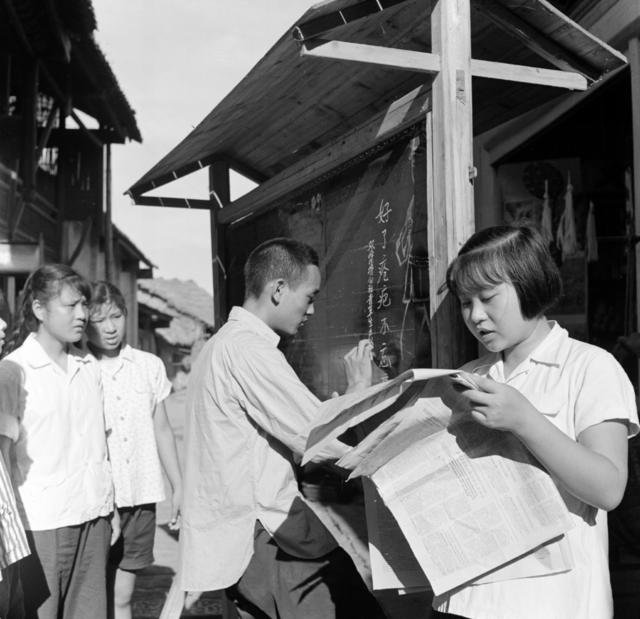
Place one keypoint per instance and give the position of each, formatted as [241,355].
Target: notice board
[368,224]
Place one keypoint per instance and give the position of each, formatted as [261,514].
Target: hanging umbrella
[546,225]
[591,242]
[566,234]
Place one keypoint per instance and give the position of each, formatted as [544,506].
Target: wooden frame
[423,62]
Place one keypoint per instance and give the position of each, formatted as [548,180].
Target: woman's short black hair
[516,254]
[276,258]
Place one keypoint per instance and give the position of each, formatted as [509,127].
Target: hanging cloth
[546,225]
[566,234]
[591,242]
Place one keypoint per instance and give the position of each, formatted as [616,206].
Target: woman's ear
[38,309]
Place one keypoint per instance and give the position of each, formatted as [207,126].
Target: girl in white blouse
[52,411]
[570,403]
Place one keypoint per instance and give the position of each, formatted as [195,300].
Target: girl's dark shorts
[134,548]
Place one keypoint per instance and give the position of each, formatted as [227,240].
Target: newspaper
[472,503]
[393,564]
[352,409]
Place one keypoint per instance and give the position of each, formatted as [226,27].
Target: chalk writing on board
[383,270]
[371,248]
[404,243]
[384,212]
[383,298]
[369,234]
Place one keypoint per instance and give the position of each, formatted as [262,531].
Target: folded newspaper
[470,504]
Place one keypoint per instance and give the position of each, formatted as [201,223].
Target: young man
[245,526]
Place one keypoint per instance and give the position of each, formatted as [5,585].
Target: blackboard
[368,225]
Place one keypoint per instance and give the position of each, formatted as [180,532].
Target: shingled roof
[178,297]
[60,35]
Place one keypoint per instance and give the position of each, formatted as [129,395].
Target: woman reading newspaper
[568,402]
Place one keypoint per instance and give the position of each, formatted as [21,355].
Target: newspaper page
[467,499]
[380,401]
[393,564]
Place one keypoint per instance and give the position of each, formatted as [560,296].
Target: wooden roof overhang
[75,71]
[294,113]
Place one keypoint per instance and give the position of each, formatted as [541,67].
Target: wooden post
[109,262]
[63,253]
[633,56]
[220,194]
[28,164]
[450,190]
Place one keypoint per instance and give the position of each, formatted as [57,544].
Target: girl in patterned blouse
[140,439]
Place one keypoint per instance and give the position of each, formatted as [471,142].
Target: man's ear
[277,289]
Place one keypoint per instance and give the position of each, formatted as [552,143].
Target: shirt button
[125,439]
[122,417]
[113,378]
[118,397]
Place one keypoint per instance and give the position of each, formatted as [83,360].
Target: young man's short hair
[514,254]
[279,258]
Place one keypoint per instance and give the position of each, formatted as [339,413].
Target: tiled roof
[178,297]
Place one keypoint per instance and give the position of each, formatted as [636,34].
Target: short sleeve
[12,398]
[159,380]
[606,394]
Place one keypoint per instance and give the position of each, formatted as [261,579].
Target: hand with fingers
[358,366]
[498,406]
[176,500]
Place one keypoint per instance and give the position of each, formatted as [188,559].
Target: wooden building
[175,320]
[352,113]
[54,170]
[384,132]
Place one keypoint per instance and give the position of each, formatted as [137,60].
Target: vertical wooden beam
[28,164]
[61,176]
[450,203]
[633,56]
[220,195]
[109,264]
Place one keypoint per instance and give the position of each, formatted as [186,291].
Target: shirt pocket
[143,400]
[550,403]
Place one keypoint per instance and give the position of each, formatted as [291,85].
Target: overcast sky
[175,60]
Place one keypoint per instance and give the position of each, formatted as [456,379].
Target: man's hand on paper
[358,366]
[498,406]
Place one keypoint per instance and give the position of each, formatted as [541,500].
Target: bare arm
[593,468]
[168,453]
[5,449]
